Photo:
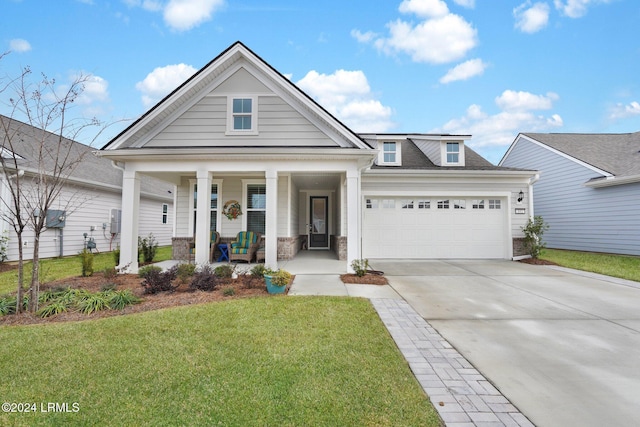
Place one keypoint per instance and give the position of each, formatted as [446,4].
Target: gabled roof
[616,154]
[90,171]
[196,86]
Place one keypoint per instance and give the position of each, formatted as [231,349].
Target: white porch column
[203,217]
[129,222]
[353,216]
[271,220]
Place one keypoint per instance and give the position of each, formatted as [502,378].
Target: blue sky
[487,68]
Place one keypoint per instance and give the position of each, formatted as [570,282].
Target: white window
[406,204]
[256,206]
[494,204]
[453,152]
[389,154]
[459,204]
[388,204]
[371,204]
[424,204]
[443,204]
[242,115]
[165,213]
[477,204]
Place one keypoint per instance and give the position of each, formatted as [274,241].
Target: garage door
[434,228]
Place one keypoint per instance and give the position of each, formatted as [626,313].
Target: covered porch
[300,205]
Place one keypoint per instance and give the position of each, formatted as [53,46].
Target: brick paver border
[459,392]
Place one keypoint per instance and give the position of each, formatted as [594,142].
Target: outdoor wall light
[520,196]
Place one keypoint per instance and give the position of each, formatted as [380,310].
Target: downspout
[532,181]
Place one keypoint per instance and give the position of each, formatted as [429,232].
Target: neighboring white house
[305,180]
[589,188]
[95,189]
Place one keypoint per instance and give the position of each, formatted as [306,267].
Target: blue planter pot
[273,289]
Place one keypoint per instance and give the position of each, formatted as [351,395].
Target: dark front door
[319,230]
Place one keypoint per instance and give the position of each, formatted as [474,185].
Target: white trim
[245,183]
[192,183]
[611,181]
[381,152]
[230,131]
[444,153]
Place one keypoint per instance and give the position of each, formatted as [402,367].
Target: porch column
[271,220]
[203,217]
[353,216]
[129,222]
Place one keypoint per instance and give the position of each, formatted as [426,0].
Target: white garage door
[434,228]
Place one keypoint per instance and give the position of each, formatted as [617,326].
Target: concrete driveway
[563,347]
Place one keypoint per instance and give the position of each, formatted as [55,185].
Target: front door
[318,227]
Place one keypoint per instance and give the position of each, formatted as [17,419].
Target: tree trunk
[20,293]
[34,290]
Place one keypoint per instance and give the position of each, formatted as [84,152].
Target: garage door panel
[394,232]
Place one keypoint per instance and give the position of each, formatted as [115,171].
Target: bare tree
[48,157]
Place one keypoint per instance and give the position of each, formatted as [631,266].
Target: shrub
[228,292]
[143,272]
[157,280]
[116,255]
[118,300]
[4,241]
[360,266]
[281,278]
[7,305]
[185,272]
[258,271]
[224,271]
[533,232]
[55,307]
[109,273]
[147,247]
[204,280]
[86,257]
[108,287]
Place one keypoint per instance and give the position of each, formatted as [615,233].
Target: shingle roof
[618,154]
[26,139]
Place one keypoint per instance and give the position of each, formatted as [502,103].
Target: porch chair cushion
[245,246]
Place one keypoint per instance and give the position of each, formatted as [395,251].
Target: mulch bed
[537,261]
[367,279]
[244,287]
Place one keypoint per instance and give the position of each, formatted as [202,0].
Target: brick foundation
[339,246]
[180,247]
[288,247]
[518,247]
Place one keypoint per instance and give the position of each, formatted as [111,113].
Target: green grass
[292,361]
[60,268]
[622,266]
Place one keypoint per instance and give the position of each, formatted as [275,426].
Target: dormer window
[452,153]
[242,116]
[389,154]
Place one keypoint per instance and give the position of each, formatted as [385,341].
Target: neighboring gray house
[96,187]
[589,188]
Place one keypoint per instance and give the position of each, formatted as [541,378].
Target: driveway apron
[563,347]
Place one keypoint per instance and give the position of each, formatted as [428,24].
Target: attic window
[242,116]
[453,152]
[389,154]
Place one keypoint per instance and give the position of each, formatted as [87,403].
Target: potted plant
[276,281]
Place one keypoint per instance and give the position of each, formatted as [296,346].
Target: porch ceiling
[316,181]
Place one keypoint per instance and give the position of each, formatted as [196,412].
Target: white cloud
[464,71]
[439,38]
[180,15]
[347,95]
[161,81]
[425,8]
[621,111]
[95,90]
[516,115]
[19,45]
[511,100]
[531,18]
[466,3]
[183,15]
[576,8]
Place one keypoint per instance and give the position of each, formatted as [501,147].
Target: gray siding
[580,218]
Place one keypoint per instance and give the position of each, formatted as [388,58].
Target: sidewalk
[460,393]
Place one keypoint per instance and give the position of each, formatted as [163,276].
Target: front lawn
[59,268]
[258,361]
[622,266]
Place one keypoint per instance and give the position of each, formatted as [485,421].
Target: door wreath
[232,210]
